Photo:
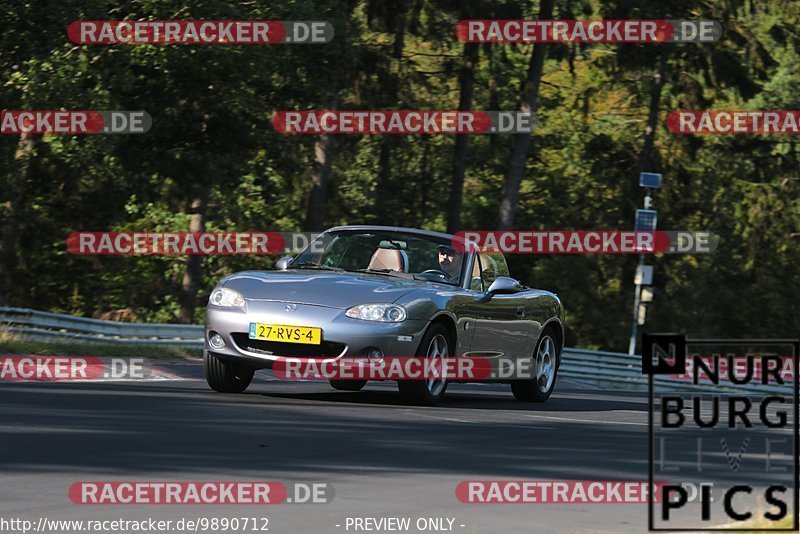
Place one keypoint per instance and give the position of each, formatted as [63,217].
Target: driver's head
[449,260]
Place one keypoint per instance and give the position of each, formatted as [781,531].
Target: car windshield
[399,254]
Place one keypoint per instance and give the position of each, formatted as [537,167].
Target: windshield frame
[309,254]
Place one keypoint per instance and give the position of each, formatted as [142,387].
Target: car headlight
[385,313]
[227,298]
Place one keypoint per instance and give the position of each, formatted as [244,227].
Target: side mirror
[283,263]
[502,285]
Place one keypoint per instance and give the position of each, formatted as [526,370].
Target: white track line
[604,422]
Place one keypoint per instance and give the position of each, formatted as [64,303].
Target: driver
[450,261]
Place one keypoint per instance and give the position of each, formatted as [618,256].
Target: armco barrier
[44,326]
[609,369]
[612,370]
[598,369]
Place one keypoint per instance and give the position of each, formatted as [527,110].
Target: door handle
[521,312]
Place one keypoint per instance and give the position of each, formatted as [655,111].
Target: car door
[502,328]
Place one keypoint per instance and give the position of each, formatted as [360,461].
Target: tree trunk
[382,193]
[648,160]
[494,96]
[320,176]
[8,250]
[388,142]
[522,142]
[466,80]
[192,277]
[11,213]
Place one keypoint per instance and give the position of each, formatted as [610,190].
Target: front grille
[328,349]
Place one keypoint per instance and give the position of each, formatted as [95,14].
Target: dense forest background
[213,161]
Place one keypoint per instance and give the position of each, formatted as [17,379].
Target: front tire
[435,345]
[225,376]
[347,385]
[545,367]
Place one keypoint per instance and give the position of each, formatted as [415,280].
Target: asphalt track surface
[383,458]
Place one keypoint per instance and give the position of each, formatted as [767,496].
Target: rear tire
[347,385]
[427,392]
[545,367]
[225,376]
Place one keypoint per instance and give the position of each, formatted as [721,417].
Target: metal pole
[636,301]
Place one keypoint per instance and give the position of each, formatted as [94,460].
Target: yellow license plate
[307,335]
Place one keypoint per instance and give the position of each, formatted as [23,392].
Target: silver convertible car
[376,292]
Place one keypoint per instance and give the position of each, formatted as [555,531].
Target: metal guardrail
[590,367]
[624,371]
[46,326]
[608,368]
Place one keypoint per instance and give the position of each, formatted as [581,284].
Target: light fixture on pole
[646,221]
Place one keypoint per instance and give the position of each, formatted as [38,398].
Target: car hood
[320,288]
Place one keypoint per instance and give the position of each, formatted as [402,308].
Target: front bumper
[341,335]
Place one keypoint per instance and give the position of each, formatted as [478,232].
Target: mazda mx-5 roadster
[377,292]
